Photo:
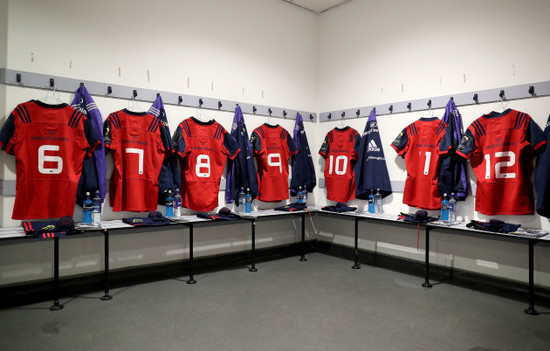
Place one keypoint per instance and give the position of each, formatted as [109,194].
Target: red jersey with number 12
[340,150]
[49,143]
[137,142]
[204,147]
[421,144]
[272,146]
[501,147]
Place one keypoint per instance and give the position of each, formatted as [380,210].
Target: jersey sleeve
[535,135]
[401,143]
[290,145]
[107,134]
[166,142]
[92,137]
[446,143]
[467,144]
[7,135]
[325,147]
[178,142]
[231,146]
[255,143]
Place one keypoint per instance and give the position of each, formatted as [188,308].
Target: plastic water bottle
[242,202]
[177,204]
[87,209]
[378,202]
[248,201]
[445,208]
[371,207]
[96,209]
[304,194]
[452,208]
[169,203]
[300,195]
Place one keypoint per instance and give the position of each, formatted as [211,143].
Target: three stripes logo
[373,147]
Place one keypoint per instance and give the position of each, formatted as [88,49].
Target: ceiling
[317,6]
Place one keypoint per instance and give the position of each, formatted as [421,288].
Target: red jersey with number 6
[421,144]
[340,150]
[272,146]
[138,143]
[500,147]
[204,147]
[49,143]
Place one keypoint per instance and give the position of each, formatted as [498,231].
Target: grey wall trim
[70,85]
[524,91]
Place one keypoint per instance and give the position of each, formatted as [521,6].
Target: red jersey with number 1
[501,147]
[204,147]
[272,146]
[340,152]
[49,143]
[421,144]
[138,143]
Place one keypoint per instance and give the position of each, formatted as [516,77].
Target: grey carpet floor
[321,304]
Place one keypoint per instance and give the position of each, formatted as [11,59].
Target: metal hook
[531,90]
[219,105]
[200,102]
[343,114]
[501,94]
[254,109]
[270,111]
[158,94]
[329,116]
[109,90]
[409,105]
[180,99]
[134,93]
[358,113]
[476,98]
[429,103]
[81,84]
[52,83]
[310,117]
[391,108]
[284,113]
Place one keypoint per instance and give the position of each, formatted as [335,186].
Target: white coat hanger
[201,113]
[134,104]
[341,125]
[52,97]
[502,103]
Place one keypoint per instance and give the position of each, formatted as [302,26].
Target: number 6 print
[42,158]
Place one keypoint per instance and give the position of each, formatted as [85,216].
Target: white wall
[236,50]
[376,52]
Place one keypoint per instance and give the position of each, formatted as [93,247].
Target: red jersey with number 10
[204,147]
[340,152]
[501,147]
[421,144]
[272,146]
[49,143]
[137,142]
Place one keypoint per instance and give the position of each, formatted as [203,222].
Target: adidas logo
[373,147]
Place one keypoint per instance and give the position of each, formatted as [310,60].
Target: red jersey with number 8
[137,142]
[272,146]
[204,147]
[500,147]
[421,144]
[49,143]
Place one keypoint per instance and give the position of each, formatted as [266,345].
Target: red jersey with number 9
[137,142]
[49,143]
[500,147]
[272,146]
[204,147]
[421,144]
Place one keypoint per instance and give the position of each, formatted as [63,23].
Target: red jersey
[500,147]
[49,143]
[138,143]
[272,146]
[421,144]
[204,148]
[340,152]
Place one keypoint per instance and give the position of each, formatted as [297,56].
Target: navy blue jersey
[94,169]
[169,176]
[303,171]
[453,175]
[542,177]
[371,172]
[241,171]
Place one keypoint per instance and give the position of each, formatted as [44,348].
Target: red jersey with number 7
[272,146]
[138,143]
[500,147]
[204,148]
[49,143]
[421,144]
[340,152]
